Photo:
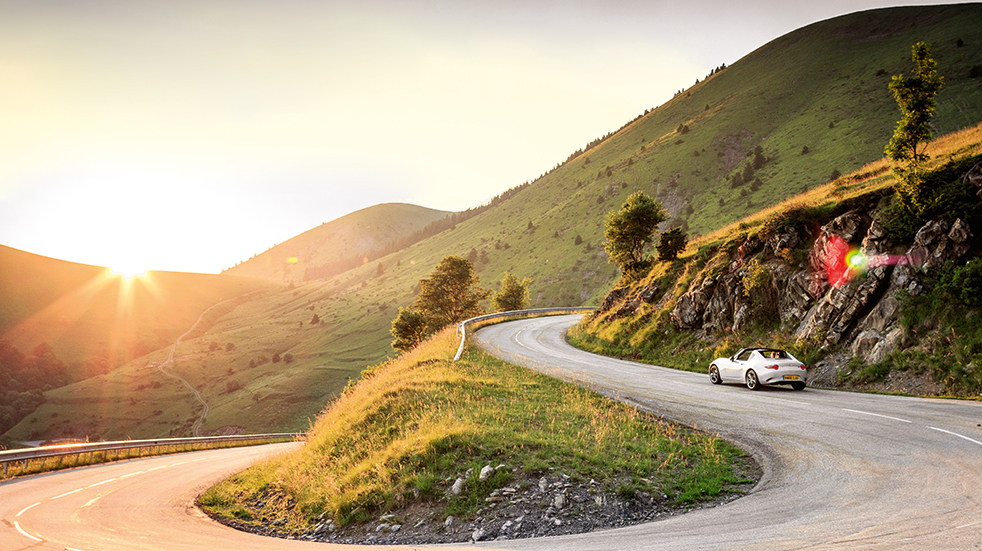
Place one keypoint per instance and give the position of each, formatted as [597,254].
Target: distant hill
[339,245]
[94,319]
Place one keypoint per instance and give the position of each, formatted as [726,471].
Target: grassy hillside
[239,364]
[340,244]
[824,87]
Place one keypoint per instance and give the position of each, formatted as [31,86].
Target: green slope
[340,244]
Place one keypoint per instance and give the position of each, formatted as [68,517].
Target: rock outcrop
[846,295]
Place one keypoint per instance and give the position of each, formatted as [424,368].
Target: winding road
[840,471]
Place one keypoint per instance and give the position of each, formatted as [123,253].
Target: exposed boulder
[648,294]
[626,309]
[789,239]
[876,241]
[612,298]
[848,226]
[873,346]
[938,242]
[718,314]
[801,290]
[690,307]
[750,247]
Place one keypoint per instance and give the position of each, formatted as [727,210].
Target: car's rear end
[783,372]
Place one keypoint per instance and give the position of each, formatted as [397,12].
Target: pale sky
[191,135]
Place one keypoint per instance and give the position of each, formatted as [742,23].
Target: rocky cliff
[837,287]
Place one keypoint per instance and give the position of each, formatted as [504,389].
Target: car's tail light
[802,366]
[770,366]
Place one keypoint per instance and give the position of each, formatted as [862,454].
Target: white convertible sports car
[759,366]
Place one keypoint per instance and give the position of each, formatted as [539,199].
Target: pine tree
[915,96]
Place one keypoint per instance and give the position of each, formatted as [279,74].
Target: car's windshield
[774,354]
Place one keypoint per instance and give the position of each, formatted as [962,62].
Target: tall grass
[413,425]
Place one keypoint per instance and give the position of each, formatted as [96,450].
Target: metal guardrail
[462,326]
[178,444]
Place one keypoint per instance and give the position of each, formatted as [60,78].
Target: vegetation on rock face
[947,322]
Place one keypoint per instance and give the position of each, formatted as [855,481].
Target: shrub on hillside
[513,295]
[670,244]
[946,194]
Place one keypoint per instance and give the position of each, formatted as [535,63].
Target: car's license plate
[791,377]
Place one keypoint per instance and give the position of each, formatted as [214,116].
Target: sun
[128,271]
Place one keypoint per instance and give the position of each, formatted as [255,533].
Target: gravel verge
[530,505]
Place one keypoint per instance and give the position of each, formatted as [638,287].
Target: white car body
[755,367]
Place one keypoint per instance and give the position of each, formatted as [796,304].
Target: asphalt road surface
[841,471]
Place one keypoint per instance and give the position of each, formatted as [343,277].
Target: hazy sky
[190,135]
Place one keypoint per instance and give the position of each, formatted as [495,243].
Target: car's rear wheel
[798,386]
[714,375]
[752,382]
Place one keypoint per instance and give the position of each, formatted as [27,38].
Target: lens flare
[844,263]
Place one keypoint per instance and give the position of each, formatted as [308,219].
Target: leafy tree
[409,329]
[450,294]
[631,230]
[915,96]
[670,244]
[513,295]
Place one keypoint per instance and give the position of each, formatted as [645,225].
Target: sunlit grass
[416,422]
